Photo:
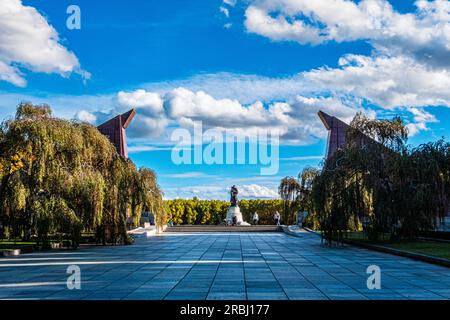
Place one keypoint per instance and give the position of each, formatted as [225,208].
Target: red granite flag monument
[114,129]
[337,134]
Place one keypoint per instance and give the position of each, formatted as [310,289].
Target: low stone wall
[292,230]
[10,253]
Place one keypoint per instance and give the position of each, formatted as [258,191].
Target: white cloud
[201,192]
[424,34]
[231,3]
[421,115]
[186,107]
[257,191]
[243,87]
[186,175]
[386,81]
[414,128]
[295,120]
[306,126]
[28,41]
[151,120]
[251,191]
[85,116]
[11,74]
[421,118]
[225,11]
[408,68]
[260,22]
[149,101]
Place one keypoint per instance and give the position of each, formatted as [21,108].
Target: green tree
[289,191]
[377,184]
[62,178]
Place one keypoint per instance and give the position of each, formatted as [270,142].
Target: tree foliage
[60,178]
[380,185]
[213,212]
[296,193]
[289,191]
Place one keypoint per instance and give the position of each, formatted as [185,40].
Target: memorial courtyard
[221,266]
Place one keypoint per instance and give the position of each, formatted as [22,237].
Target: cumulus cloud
[187,175]
[420,120]
[151,120]
[251,191]
[260,22]
[28,41]
[408,68]
[306,126]
[386,81]
[149,101]
[11,74]
[246,88]
[85,116]
[186,107]
[423,34]
[201,192]
[295,120]
[257,191]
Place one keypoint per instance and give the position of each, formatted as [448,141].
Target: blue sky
[240,65]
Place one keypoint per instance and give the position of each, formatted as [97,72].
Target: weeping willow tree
[378,185]
[296,194]
[289,191]
[307,178]
[60,178]
[151,196]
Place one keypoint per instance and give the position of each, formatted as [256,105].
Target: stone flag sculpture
[114,129]
[337,134]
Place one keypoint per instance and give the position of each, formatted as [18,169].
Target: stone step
[221,228]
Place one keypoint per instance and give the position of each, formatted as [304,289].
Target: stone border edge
[290,232]
[401,253]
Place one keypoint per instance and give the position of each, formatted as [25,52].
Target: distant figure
[300,217]
[276,218]
[234,220]
[233,193]
[255,218]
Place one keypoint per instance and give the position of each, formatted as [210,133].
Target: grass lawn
[10,244]
[429,248]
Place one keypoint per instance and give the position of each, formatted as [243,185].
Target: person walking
[300,217]
[276,218]
[255,218]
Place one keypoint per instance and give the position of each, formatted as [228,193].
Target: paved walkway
[221,266]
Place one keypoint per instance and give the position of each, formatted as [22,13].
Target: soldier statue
[234,192]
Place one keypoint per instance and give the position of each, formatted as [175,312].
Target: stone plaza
[237,266]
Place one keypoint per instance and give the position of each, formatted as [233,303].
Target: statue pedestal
[234,211]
